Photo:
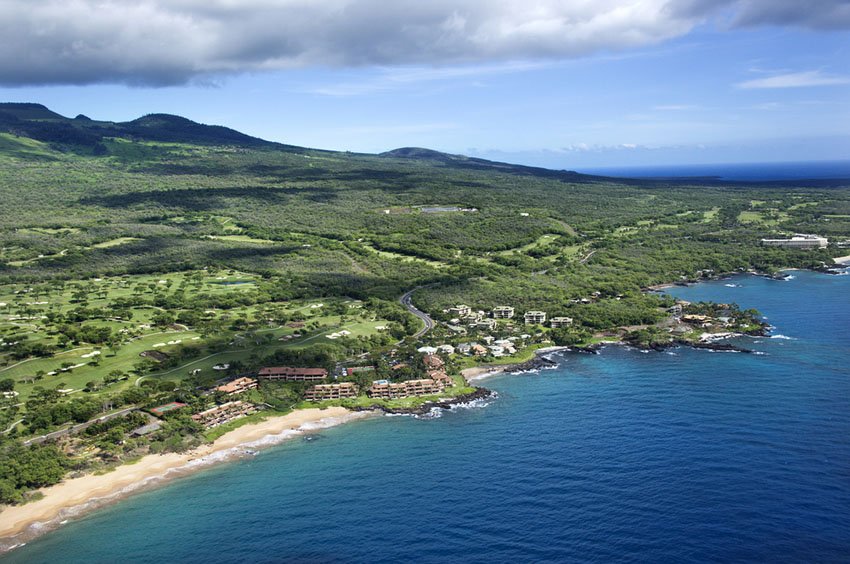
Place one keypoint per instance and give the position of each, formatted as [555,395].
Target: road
[406,302]
[587,257]
[78,428]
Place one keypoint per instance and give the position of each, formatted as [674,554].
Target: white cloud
[811,14]
[795,80]
[166,42]
[162,42]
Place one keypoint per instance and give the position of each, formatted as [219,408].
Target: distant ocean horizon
[811,170]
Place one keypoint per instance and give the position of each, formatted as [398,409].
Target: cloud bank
[795,80]
[170,42]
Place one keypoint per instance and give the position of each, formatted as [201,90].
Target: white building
[535,317]
[460,311]
[503,312]
[558,322]
[798,241]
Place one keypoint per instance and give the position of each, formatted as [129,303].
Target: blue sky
[624,83]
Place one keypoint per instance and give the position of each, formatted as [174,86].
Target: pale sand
[481,372]
[842,260]
[74,496]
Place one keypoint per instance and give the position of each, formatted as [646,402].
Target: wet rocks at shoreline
[478,394]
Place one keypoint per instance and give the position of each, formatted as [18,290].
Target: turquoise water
[617,457]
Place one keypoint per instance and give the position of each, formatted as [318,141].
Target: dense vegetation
[114,234]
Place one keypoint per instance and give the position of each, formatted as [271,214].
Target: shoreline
[482,371]
[844,261]
[79,496]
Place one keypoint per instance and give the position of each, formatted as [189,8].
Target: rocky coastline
[478,394]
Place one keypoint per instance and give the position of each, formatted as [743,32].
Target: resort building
[460,311]
[558,322]
[237,386]
[292,374]
[535,317]
[478,350]
[393,390]
[441,378]
[503,312]
[224,413]
[321,392]
[798,241]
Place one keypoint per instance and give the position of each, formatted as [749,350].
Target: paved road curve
[429,323]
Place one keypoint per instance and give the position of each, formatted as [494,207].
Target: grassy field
[25,312]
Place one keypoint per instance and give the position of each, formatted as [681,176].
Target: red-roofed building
[433,361]
[237,386]
[293,374]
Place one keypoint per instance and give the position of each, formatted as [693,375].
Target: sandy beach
[842,260]
[480,372]
[76,496]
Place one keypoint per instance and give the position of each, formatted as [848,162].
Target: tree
[7,385]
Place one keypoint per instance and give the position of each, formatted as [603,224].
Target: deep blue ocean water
[734,171]
[619,457]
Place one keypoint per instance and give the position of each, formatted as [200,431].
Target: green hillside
[142,262]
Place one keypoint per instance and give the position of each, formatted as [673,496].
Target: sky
[572,84]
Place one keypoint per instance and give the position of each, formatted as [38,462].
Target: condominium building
[224,413]
[535,317]
[237,386]
[558,322]
[392,390]
[460,311]
[321,392]
[503,312]
[441,378]
[293,374]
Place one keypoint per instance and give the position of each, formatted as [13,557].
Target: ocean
[678,456]
[750,172]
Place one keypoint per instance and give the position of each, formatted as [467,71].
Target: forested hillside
[87,198]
